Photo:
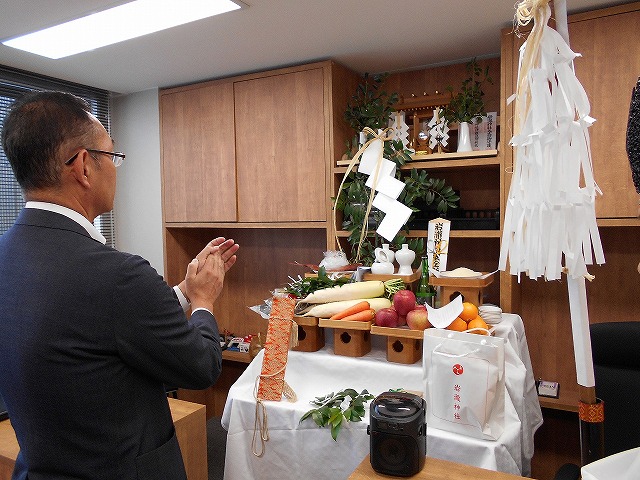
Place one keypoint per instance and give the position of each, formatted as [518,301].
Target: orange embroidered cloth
[276,349]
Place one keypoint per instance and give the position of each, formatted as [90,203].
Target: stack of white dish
[491,314]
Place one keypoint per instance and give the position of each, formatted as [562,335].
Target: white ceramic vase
[384,254]
[464,137]
[405,258]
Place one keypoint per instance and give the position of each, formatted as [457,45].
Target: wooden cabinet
[266,140]
[252,149]
[198,153]
[280,147]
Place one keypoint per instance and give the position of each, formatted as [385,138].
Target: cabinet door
[608,70]
[198,154]
[280,147]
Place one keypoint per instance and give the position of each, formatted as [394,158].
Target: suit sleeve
[153,334]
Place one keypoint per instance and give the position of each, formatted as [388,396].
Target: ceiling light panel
[117,24]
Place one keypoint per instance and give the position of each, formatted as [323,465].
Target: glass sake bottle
[425,293]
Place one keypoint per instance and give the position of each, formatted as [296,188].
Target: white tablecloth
[305,451]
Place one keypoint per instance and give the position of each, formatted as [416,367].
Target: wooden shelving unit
[234,356]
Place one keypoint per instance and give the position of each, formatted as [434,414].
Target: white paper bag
[463,377]
[621,466]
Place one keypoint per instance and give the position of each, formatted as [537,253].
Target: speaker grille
[395,454]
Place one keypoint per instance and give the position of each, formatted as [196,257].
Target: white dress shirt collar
[73,215]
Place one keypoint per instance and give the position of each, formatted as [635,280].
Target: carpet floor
[216,448]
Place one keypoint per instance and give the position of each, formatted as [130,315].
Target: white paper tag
[443,316]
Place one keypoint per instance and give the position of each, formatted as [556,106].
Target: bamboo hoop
[383,135]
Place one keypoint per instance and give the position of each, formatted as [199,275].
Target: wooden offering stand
[469,288]
[350,339]
[403,344]
[310,334]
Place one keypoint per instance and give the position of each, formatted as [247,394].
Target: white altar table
[305,451]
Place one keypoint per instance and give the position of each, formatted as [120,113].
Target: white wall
[138,211]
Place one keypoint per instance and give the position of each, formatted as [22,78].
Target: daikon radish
[326,310]
[348,291]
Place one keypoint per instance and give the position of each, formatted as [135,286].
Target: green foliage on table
[468,105]
[304,286]
[330,411]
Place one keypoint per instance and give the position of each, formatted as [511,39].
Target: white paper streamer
[550,215]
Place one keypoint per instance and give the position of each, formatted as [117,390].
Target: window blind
[13,85]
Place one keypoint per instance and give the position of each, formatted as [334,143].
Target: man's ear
[81,169]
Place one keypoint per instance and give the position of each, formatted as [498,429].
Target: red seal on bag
[457,369]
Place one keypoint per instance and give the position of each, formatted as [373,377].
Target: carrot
[364,316]
[358,307]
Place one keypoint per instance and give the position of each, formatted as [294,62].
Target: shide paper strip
[550,211]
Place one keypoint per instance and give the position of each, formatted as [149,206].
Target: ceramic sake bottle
[384,261]
[405,258]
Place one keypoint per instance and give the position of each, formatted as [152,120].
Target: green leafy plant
[353,203]
[371,105]
[330,410]
[467,105]
[304,286]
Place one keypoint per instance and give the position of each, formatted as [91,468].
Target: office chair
[616,362]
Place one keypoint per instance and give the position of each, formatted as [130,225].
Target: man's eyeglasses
[116,157]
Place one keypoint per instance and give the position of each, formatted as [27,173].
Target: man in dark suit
[89,335]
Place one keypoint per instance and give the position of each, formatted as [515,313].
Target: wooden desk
[435,469]
[189,420]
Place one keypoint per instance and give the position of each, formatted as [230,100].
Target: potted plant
[467,105]
[371,107]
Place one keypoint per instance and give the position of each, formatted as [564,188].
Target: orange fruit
[478,322]
[469,311]
[458,325]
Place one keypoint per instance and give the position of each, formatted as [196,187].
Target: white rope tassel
[261,422]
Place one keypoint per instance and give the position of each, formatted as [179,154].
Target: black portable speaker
[398,433]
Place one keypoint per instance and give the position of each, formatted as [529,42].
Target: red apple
[420,307]
[402,320]
[418,319]
[404,301]
[386,317]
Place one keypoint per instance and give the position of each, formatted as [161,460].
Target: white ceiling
[366,35]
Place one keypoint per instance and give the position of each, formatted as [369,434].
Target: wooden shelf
[442,160]
[453,233]
[416,157]
[241,357]
[568,401]
[619,222]
[244,225]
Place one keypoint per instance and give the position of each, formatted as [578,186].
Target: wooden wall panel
[608,85]
[437,79]
[265,260]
